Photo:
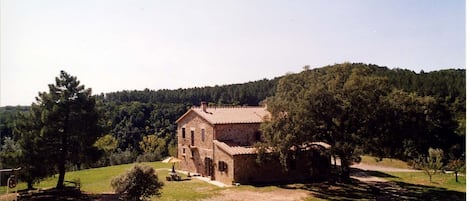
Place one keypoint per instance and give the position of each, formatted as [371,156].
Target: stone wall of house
[225,176]
[193,156]
[248,171]
[240,134]
[199,154]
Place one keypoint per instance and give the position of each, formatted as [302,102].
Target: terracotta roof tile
[243,150]
[235,150]
[229,115]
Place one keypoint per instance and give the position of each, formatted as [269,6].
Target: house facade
[217,142]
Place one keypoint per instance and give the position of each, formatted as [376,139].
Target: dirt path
[245,195]
[381,168]
[359,172]
[364,177]
[10,196]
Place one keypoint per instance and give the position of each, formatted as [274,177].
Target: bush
[122,157]
[149,157]
[138,183]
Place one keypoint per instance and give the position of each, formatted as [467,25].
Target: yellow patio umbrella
[173,160]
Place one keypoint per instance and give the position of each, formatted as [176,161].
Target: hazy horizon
[132,45]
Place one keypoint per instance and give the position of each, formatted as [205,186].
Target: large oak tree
[333,105]
[355,111]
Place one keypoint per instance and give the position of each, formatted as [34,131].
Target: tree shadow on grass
[68,194]
[104,197]
[369,173]
[392,190]
[71,194]
[379,174]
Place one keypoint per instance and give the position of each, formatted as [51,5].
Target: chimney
[203,105]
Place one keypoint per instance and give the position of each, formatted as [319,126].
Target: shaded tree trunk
[61,163]
[344,170]
[60,182]
[29,184]
[63,151]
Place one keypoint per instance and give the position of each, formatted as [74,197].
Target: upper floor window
[202,133]
[258,136]
[192,138]
[183,131]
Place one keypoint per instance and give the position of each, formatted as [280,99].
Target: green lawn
[446,181]
[97,181]
[188,189]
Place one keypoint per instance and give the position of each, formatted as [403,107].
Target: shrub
[122,157]
[149,157]
[430,164]
[138,183]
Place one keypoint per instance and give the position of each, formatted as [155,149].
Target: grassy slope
[194,189]
[95,180]
[98,180]
[446,181]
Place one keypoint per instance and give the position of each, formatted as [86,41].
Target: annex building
[217,142]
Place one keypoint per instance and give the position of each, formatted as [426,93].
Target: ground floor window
[222,166]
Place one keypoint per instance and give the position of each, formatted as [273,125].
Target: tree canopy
[355,110]
[66,124]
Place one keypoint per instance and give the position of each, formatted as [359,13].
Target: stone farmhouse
[217,142]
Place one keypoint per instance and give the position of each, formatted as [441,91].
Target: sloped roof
[321,144]
[235,150]
[242,150]
[230,115]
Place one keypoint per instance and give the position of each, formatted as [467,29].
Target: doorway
[208,162]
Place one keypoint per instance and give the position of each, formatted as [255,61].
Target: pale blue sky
[124,45]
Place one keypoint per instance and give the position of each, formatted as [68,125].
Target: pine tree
[69,123]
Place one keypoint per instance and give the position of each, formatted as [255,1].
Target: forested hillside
[7,120]
[250,93]
[129,116]
[364,109]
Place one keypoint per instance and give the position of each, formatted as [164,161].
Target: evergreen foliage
[63,126]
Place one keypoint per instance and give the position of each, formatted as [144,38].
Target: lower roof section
[243,150]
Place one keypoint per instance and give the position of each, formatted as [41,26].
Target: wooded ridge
[130,115]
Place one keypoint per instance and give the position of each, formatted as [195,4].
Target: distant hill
[250,93]
[448,84]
